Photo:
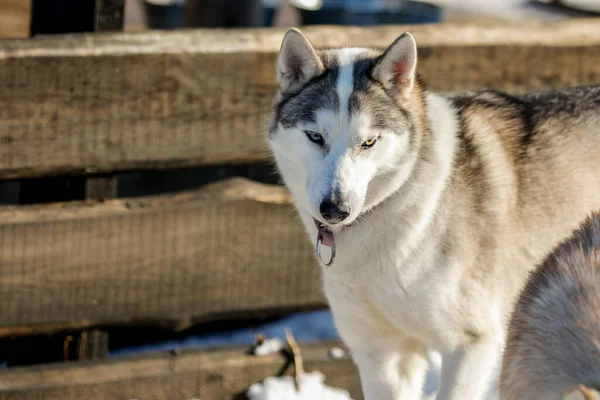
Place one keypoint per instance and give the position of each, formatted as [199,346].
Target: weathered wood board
[14,18]
[109,15]
[206,375]
[112,102]
[231,249]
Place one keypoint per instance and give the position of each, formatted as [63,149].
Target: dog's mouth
[325,234]
[326,237]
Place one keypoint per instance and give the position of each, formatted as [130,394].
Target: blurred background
[141,15]
[18,21]
[176,14]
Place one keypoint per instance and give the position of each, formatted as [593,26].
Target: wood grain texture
[112,102]
[206,375]
[230,249]
[109,15]
[14,18]
[101,187]
[92,345]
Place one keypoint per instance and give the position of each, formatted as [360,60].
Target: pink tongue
[327,238]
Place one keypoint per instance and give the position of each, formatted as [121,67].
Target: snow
[336,353]
[269,346]
[312,387]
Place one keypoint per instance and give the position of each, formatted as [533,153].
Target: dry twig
[298,367]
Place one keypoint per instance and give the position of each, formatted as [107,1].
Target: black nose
[332,212]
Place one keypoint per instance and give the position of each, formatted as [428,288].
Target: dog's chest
[416,294]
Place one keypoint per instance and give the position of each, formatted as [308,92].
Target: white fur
[392,296]
[390,293]
[345,81]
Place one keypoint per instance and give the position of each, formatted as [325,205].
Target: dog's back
[553,345]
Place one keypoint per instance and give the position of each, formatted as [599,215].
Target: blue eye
[315,137]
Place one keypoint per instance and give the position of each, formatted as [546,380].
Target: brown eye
[368,143]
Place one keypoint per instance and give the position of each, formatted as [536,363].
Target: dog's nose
[332,212]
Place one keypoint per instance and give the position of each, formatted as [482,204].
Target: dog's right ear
[396,67]
[582,393]
[298,61]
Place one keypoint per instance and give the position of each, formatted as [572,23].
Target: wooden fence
[213,374]
[115,102]
[98,105]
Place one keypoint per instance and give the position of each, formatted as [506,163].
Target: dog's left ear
[298,62]
[396,67]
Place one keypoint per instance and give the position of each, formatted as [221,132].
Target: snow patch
[267,347]
[311,387]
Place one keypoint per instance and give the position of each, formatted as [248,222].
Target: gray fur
[554,336]
[368,96]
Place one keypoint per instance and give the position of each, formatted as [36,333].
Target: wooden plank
[92,344]
[100,187]
[14,18]
[69,16]
[111,102]
[230,249]
[208,374]
[109,15]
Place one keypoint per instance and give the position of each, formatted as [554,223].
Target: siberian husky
[427,211]
[553,345]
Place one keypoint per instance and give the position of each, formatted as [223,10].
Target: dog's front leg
[391,366]
[392,373]
[469,372]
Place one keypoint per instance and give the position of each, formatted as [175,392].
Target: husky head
[347,125]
